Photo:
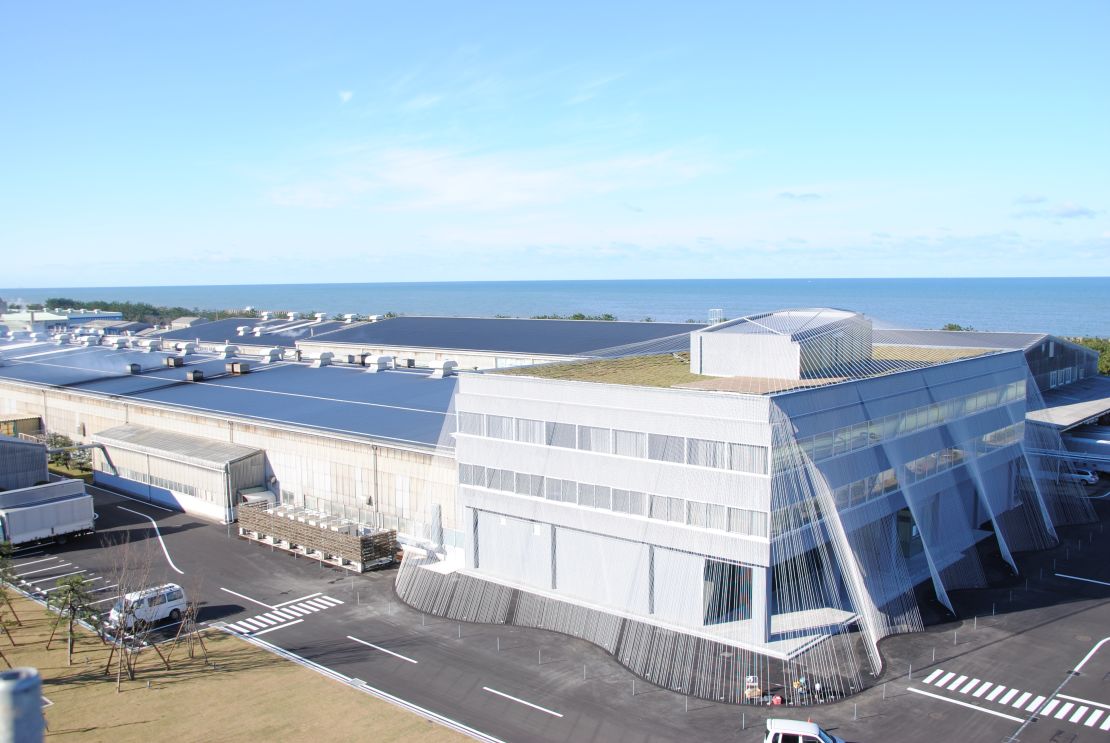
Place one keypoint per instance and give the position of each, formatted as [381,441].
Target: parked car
[796,731]
[1087,477]
[149,606]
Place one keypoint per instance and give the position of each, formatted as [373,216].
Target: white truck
[55,510]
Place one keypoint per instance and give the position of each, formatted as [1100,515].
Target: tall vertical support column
[761,605]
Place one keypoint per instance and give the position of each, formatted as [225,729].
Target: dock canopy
[1074,404]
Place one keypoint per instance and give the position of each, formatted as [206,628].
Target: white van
[795,731]
[1087,477]
[149,606]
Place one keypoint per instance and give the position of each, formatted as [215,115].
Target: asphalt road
[517,684]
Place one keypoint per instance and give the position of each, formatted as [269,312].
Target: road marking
[1079,714]
[389,652]
[275,615]
[521,701]
[947,677]
[1035,704]
[956,683]
[1049,707]
[1025,697]
[970,685]
[997,690]
[330,600]
[1104,705]
[153,523]
[43,570]
[1063,711]
[265,621]
[294,601]
[252,623]
[248,598]
[55,577]
[963,704]
[36,562]
[1093,718]
[1105,724]
[983,689]
[295,612]
[1008,696]
[280,626]
[15,553]
[1085,580]
[308,608]
[318,604]
[55,588]
[933,675]
[101,601]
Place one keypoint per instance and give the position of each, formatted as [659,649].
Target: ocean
[1063,306]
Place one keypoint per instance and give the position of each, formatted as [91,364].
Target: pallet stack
[321,537]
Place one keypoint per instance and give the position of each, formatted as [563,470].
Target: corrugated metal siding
[191,449]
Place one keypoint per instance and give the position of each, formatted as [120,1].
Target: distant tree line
[141,311]
[1102,345]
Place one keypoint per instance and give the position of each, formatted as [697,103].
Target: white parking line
[1085,580]
[1104,705]
[1049,707]
[1035,704]
[969,686]
[1025,697]
[1063,711]
[43,570]
[295,612]
[520,701]
[963,704]
[997,690]
[947,677]
[318,604]
[983,689]
[330,601]
[378,647]
[280,626]
[35,562]
[161,541]
[55,577]
[1008,696]
[247,598]
[1079,714]
[55,588]
[1093,718]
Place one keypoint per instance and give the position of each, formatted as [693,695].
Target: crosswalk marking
[1078,711]
[970,685]
[284,615]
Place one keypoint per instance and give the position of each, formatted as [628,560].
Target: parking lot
[1005,671]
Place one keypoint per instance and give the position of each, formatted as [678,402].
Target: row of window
[158,482]
[861,435]
[660,447]
[635,503]
[1067,375]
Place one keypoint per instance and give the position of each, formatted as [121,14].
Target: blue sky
[242,143]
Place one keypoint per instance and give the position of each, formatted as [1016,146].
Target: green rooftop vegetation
[660,370]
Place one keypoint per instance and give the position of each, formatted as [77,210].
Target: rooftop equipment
[133,369]
[238,367]
[271,355]
[378,363]
[444,369]
[242,329]
[321,316]
[194,375]
[323,360]
[174,361]
[294,316]
[228,350]
[189,347]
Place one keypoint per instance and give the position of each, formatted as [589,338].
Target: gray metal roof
[796,323]
[503,335]
[180,447]
[956,338]
[1072,404]
[274,332]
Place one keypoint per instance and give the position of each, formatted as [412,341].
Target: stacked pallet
[323,537]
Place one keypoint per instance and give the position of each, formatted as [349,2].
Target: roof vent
[257,331]
[228,351]
[375,364]
[238,367]
[294,316]
[272,355]
[321,316]
[153,345]
[194,375]
[266,315]
[92,340]
[133,368]
[350,317]
[118,343]
[323,360]
[174,361]
[242,329]
[62,338]
[374,318]
[444,369]
[188,347]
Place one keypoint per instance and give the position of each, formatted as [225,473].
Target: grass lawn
[253,695]
[58,469]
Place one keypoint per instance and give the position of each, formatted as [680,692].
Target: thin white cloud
[590,90]
[345,96]
[1065,210]
[421,102]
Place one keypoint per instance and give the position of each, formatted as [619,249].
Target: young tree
[72,599]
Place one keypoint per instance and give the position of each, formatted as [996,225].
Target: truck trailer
[56,510]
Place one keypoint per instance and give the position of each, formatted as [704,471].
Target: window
[531,485]
[561,434]
[707,453]
[529,431]
[708,516]
[628,501]
[593,439]
[499,427]
[564,491]
[743,521]
[175,595]
[594,496]
[472,424]
[668,509]
[158,599]
[664,448]
[630,443]
[748,458]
